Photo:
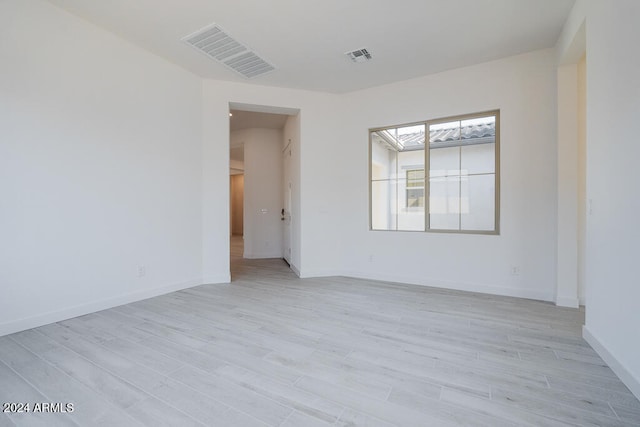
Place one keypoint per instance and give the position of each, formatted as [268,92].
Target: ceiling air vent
[360,55]
[214,42]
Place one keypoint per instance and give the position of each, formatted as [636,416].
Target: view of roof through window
[450,134]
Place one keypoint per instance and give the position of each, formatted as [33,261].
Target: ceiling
[241,119]
[251,119]
[306,40]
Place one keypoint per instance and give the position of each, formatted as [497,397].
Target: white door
[286,210]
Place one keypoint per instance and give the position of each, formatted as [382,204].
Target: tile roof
[476,133]
[480,130]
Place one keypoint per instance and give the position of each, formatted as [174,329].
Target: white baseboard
[459,286]
[91,307]
[223,278]
[623,373]
[261,255]
[320,273]
[295,270]
[567,302]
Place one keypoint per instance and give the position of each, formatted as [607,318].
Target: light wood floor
[272,349]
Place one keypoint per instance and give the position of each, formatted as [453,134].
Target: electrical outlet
[370,258]
[515,270]
[142,270]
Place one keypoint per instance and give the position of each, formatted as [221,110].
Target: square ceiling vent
[217,44]
[359,55]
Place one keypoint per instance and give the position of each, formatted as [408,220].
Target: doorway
[236,191]
[263,152]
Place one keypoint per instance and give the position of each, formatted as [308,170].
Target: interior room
[319,213]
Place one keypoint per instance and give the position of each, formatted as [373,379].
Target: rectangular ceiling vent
[214,42]
[360,55]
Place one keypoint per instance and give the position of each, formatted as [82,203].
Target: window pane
[393,149]
[483,127]
[415,197]
[444,161]
[383,160]
[478,202]
[410,160]
[411,220]
[415,178]
[415,188]
[411,137]
[478,158]
[444,203]
[384,201]
[410,207]
[442,133]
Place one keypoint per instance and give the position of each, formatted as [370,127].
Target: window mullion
[427,181]
[397,186]
[460,179]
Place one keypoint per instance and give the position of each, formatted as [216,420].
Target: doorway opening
[264,178]
[236,191]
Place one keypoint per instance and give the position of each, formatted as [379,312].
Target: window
[460,191]
[397,191]
[415,188]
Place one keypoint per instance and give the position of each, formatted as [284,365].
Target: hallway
[243,269]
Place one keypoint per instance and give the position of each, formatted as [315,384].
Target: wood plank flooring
[274,350]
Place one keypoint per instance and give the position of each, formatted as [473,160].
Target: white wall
[582,177]
[524,89]
[567,273]
[263,191]
[570,50]
[100,150]
[612,233]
